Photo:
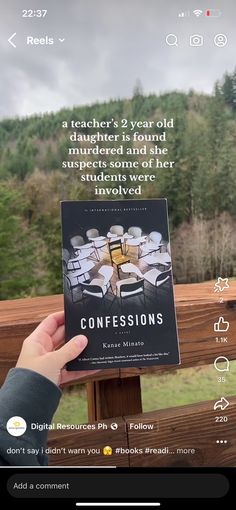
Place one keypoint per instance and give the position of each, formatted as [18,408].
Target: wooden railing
[116,394]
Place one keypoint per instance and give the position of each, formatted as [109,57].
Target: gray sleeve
[35,398]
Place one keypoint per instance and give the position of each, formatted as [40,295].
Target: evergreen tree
[228,89]
[18,247]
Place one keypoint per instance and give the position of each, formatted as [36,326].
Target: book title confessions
[118,287]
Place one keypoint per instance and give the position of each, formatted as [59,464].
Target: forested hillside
[200,188]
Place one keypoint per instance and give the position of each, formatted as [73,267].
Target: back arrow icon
[10,40]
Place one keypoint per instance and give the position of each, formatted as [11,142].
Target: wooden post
[114,397]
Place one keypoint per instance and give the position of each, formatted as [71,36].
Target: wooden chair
[116,254]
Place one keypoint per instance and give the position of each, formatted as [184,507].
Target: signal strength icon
[184,14]
[198,12]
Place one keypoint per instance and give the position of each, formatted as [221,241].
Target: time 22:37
[31,13]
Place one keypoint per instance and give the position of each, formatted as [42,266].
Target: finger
[67,377]
[70,350]
[51,323]
[58,337]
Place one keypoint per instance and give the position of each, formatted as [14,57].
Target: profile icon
[16,426]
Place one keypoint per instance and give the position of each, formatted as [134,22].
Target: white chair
[74,279]
[81,272]
[75,263]
[130,288]
[98,287]
[161,259]
[155,237]
[76,241]
[116,231]
[136,232]
[106,272]
[156,277]
[137,239]
[92,233]
[131,268]
[153,244]
[84,247]
[98,241]
[68,264]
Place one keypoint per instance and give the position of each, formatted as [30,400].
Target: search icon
[172,40]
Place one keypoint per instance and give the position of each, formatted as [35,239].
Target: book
[118,284]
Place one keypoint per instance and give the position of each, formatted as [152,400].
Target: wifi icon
[198,12]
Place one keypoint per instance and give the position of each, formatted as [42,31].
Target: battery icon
[213,13]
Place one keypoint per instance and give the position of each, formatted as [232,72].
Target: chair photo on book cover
[118,284]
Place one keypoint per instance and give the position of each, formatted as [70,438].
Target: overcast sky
[109,44]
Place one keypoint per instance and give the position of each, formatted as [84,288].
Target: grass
[170,389]
[186,386]
[73,406]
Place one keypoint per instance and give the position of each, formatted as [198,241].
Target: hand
[38,351]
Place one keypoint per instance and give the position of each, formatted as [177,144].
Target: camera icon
[196,40]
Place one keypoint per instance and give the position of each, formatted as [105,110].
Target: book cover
[118,287]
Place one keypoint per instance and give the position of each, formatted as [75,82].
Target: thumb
[70,350]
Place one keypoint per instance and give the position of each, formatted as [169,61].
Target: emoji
[107,450]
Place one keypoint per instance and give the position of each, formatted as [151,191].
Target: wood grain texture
[197,338]
[191,426]
[197,306]
[88,439]
[115,397]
